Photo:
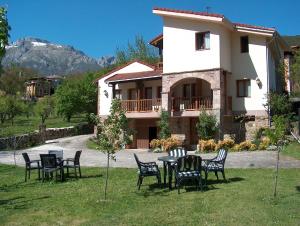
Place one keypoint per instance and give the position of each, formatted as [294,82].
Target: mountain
[292,40]
[48,58]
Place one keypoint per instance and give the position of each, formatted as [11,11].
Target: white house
[208,62]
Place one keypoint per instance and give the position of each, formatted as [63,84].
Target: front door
[152,134]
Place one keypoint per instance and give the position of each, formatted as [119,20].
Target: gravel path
[256,159]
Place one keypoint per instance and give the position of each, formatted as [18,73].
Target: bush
[246,145]
[163,125]
[264,144]
[165,144]
[278,132]
[206,126]
[225,144]
[207,145]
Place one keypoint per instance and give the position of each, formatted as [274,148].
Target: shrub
[206,126]
[264,144]
[246,145]
[225,144]
[165,144]
[278,132]
[163,125]
[207,145]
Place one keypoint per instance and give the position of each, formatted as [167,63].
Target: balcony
[191,104]
[148,107]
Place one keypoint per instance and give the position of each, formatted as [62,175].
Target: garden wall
[36,138]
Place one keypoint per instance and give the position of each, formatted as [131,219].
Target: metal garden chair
[31,165]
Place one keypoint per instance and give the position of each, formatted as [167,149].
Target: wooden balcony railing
[142,105]
[194,103]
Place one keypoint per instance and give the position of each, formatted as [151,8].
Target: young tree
[14,106]
[112,134]
[4,32]
[165,131]
[207,126]
[44,107]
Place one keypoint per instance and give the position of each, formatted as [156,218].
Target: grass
[292,150]
[90,144]
[23,125]
[247,199]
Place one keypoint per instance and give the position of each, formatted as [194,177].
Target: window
[243,88]
[189,90]
[118,94]
[159,90]
[202,40]
[244,44]
[132,94]
[148,93]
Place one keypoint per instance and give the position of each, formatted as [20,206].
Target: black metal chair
[177,152]
[216,164]
[50,165]
[188,168]
[73,163]
[147,169]
[31,165]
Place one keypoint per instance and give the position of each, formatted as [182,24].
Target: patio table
[167,162]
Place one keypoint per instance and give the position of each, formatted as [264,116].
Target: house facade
[208,63]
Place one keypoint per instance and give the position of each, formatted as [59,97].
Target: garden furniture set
[185,167]
[51,163]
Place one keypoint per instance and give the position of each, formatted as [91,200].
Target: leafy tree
[112,134]
[207,126]
[278,104]
[14,106]
[4,32]
[13,79]
[164,126]
[77,95]
[68,99]
[44,107]
[296,73]
[3,108]
[139,50]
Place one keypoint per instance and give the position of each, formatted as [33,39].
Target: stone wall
[244,130]
[35,138]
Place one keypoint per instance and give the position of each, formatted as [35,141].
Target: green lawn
[22,124]
[292,150]
[246,200]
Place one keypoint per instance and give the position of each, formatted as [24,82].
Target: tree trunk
[106,178]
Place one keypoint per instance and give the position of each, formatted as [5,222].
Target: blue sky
[98,27]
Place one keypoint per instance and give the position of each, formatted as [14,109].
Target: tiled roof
[189,12]
[157,38]
[134,76]
[254,26]
[123,66]
[212,15]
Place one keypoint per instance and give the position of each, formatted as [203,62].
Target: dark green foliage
[207,126]
[44,107]
[4,33]
[139,50]
[278,132]
[11,107]
[164,127]
[279,104]
[296,74]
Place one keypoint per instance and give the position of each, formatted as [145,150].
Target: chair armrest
[148,164]
[35,161]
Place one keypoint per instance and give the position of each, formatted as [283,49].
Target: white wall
[179,46]
[248,65]
[104,101]
[225,48]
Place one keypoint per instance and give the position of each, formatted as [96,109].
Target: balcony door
[148,93]
[132,94]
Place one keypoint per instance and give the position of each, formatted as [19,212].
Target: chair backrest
[137,160]
[48,160]
[189,163]
[26,157]
[58,153]
[222,154]
[177,152]
[77,157]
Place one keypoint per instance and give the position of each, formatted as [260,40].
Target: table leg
[170,175]
[165,173]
